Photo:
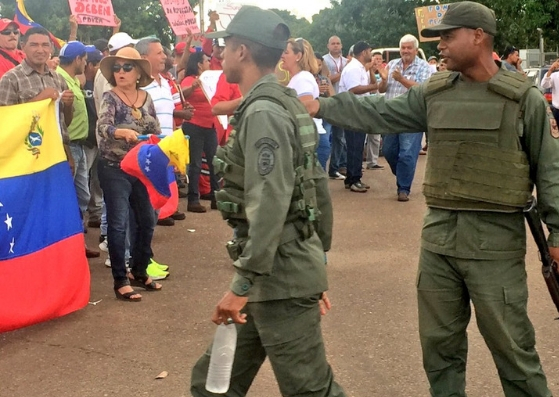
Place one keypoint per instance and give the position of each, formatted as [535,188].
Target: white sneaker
[107,261]
[337,176]
[104,246]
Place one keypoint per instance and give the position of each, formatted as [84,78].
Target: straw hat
[127,53]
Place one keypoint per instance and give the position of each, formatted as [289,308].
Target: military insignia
[34,138]
[266,155]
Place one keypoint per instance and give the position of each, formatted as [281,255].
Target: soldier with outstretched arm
[490,142]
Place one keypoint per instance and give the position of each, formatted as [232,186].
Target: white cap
[120,40]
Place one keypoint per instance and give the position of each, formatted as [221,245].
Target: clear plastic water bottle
[221,360]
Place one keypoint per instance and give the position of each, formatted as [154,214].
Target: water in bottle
[221,360]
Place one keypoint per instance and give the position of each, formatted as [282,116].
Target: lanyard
[338,67]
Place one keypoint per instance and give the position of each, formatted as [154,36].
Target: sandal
[127,296]
[140,281]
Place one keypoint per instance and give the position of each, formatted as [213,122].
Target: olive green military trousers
[499,293]
[288,332]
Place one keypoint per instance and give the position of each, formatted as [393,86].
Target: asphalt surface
[116,348]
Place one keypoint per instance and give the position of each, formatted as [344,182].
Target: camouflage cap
[465,14]
[261,26]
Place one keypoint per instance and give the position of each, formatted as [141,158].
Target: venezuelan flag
[42,257]
[25,23]
[152,163]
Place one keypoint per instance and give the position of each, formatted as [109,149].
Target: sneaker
[337,176]
[102,237]
[403,196]
[108,262]
[343,171]
[374,167]
[155,273]
[358,187]
[104,245]
[165,268]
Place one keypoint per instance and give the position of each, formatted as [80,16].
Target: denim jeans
[81,175]
[202,140]
[323,149]
[95,205]
[123,192]
[355,144]
[401,152]
[338,152]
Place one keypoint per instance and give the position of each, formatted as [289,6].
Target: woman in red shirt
[200,128]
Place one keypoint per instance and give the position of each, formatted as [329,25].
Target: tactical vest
[229,162]
[476,159]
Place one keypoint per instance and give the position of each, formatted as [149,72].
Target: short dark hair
[318,56]
[35,30]
[192,64]
[264,57]
[508,51]
[376,53]
[101,44]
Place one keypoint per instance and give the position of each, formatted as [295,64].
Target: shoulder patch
[266,156]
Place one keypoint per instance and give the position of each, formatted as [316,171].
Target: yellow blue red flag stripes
[42,254]
[25,22]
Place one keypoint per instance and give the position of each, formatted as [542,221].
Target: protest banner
[227,9]
[180,16]
[209,80]
[429,16]
[93,12]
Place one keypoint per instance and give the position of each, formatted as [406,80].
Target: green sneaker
[155,273]
[164,268]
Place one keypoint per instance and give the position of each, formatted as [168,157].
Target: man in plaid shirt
[401,150]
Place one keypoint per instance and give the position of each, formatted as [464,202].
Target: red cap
[5,22]
[179,48]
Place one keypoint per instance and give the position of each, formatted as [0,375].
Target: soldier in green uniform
[489,143]
[276,197]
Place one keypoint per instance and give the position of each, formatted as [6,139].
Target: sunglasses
[127,67]
[9,32]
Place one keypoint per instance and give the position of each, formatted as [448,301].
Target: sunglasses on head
[9,32]
[127,67]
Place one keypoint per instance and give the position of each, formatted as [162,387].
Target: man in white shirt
[551,80]
[335,62]
[356,78]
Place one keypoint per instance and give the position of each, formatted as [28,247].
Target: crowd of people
[274,191]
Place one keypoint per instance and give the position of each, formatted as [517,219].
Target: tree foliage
[380,22]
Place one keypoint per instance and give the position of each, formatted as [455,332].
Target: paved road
[117,348]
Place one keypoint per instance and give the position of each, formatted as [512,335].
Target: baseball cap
[95,56]
[120,40]
[431,58]
[5,22]
[359,47]
[261,26]
[219,42]
[180,47]
[74,49]
[101,44]
[465,14]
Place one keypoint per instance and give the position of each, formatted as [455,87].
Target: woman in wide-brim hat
[125,112]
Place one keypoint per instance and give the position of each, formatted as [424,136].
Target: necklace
[136,113]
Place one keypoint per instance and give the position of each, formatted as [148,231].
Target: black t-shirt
[91,112]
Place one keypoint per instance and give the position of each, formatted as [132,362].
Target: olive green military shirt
[267,270]
[464,234]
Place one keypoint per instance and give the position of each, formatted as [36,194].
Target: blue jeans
[323,149]
[123,192]
[338,152]
[401,152]
[202,140]
[81,175]
[355,144]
